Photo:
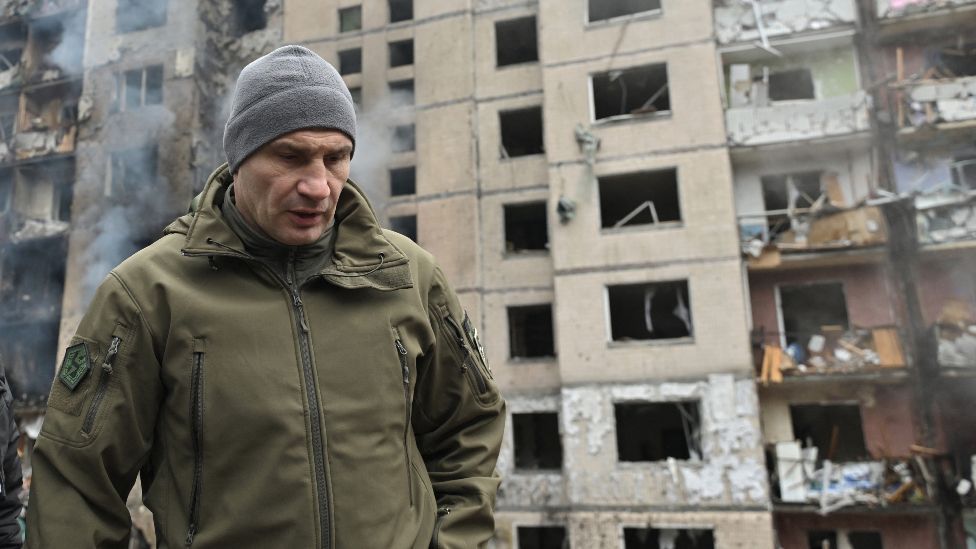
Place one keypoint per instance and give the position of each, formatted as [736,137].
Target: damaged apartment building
[720,251]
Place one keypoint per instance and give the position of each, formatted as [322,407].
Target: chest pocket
[467,346]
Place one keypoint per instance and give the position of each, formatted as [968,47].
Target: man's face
[289,187]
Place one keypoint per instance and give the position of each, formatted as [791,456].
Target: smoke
[384,135]
[67,53]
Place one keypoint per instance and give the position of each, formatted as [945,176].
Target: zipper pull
[443,511]
[403,362]
[190,534]
[113,350]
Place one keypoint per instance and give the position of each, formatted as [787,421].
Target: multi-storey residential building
[720,252]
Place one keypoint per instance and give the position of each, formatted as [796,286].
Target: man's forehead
[312,139]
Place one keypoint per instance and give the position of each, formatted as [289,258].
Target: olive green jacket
[354,412]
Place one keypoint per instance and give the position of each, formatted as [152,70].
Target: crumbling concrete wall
[954,101]
[735,20]
[732,471]
[604,529]
[797,121]
[528,488]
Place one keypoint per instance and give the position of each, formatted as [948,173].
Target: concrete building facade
[720,252]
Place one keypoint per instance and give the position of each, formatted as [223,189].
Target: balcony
[929,102]
[946,218]
[790,121]
[898,8]
[739,21]
[864,352]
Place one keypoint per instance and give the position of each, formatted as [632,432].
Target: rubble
[735,20]
[833,351]
[787,122]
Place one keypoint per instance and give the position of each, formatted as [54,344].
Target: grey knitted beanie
[289,89]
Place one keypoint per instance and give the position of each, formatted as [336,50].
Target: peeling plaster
[798,120]
[736,22]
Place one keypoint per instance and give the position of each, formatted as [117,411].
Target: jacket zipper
[459,339]
[442,513]
[407,405]
[196,426]
[311,391]
[103,381]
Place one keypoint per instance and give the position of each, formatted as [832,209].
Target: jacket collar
[362,255]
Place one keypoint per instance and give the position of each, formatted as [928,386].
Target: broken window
[791,85]
[964,171]
[655,431]
[351,19]
[521,132]
[812,309]
[864,540]
[9,107]
[13,36]
[401,53]
[787,192]
[822,539]
[654,310]
[631,92]
[32,278]
[515,41]
[639,198]
[834,429]
[48,56]
[536,440]
[52,184]
[401,93]
[542,537]
[132,171]
[139,88]
[404,138]
[400,10]
[351,61]
[249,16]
[668,538]
[957,60]
[530,331]
[403,181]
[134,15]
[525,227]
[828,539]
[405,225]
[29,351]
[601,10]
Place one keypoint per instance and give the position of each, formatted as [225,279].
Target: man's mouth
[306,217]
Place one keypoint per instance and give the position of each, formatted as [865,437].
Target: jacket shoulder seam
[135,303]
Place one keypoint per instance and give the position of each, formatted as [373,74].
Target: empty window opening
[834,429]
[530,331]
[48,55]
[403,181]
[521,132]
[48,109]
[525,227]
[655,310]
[639,199]
[51,185]
[32,278]
[404,138]
[822,539]
[139,88]
[357,97]
[631,92]
[964,171]
[515,41]
[537,442]
[542,537]
[791,85]
[655,431]
[351,19]
[351,61]
[400,10]
[401,93]
[405,225]
[249,16]
[601,10]
[13,37]
[134,15]
[864,540]
[401,53]
[9,107]
[132,171]
[955,61]
[668,538]
[812,309]
[785,193]
[827,539]
[10,58]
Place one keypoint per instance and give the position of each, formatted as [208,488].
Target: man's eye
[287,156]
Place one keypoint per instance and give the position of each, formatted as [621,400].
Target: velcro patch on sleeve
[75,366]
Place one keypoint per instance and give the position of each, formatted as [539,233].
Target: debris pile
[834,350]
[956,335]
[832,486]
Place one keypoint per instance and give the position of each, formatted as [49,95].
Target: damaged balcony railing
[802,477]
[789,121]
[896,8]
[955,334]
[748,21]
[15,8]
[947,217]
[830,350]
[934,101]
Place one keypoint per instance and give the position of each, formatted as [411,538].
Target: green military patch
[75,365]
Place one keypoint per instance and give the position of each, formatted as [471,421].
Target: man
[282,371]
[11,479]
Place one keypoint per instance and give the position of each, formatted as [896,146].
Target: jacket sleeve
[96,435]
[10,507]
[459,419]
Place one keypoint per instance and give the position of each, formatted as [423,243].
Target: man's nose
[314,182]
